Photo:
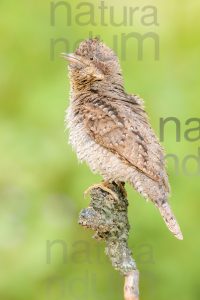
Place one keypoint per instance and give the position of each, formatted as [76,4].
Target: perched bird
[109,129]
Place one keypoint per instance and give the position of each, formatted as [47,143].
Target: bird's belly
[99,159]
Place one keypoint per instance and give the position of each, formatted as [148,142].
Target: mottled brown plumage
[109,129]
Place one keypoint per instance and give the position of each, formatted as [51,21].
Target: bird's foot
[103,186]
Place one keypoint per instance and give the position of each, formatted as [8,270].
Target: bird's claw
[103,187]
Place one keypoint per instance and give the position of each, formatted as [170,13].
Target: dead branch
[107,215]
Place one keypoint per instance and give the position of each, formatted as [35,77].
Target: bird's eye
[91,58]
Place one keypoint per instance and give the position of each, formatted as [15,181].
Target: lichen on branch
[107,215]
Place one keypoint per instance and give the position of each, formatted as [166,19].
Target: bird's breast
[81,142]
[99,159]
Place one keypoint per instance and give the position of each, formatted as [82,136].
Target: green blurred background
[44,253]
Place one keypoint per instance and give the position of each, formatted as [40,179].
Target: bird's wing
[127,133]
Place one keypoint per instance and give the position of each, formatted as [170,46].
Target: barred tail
[169,219]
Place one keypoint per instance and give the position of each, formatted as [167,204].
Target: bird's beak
[71,57]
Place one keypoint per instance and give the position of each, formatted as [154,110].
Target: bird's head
[93,65]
